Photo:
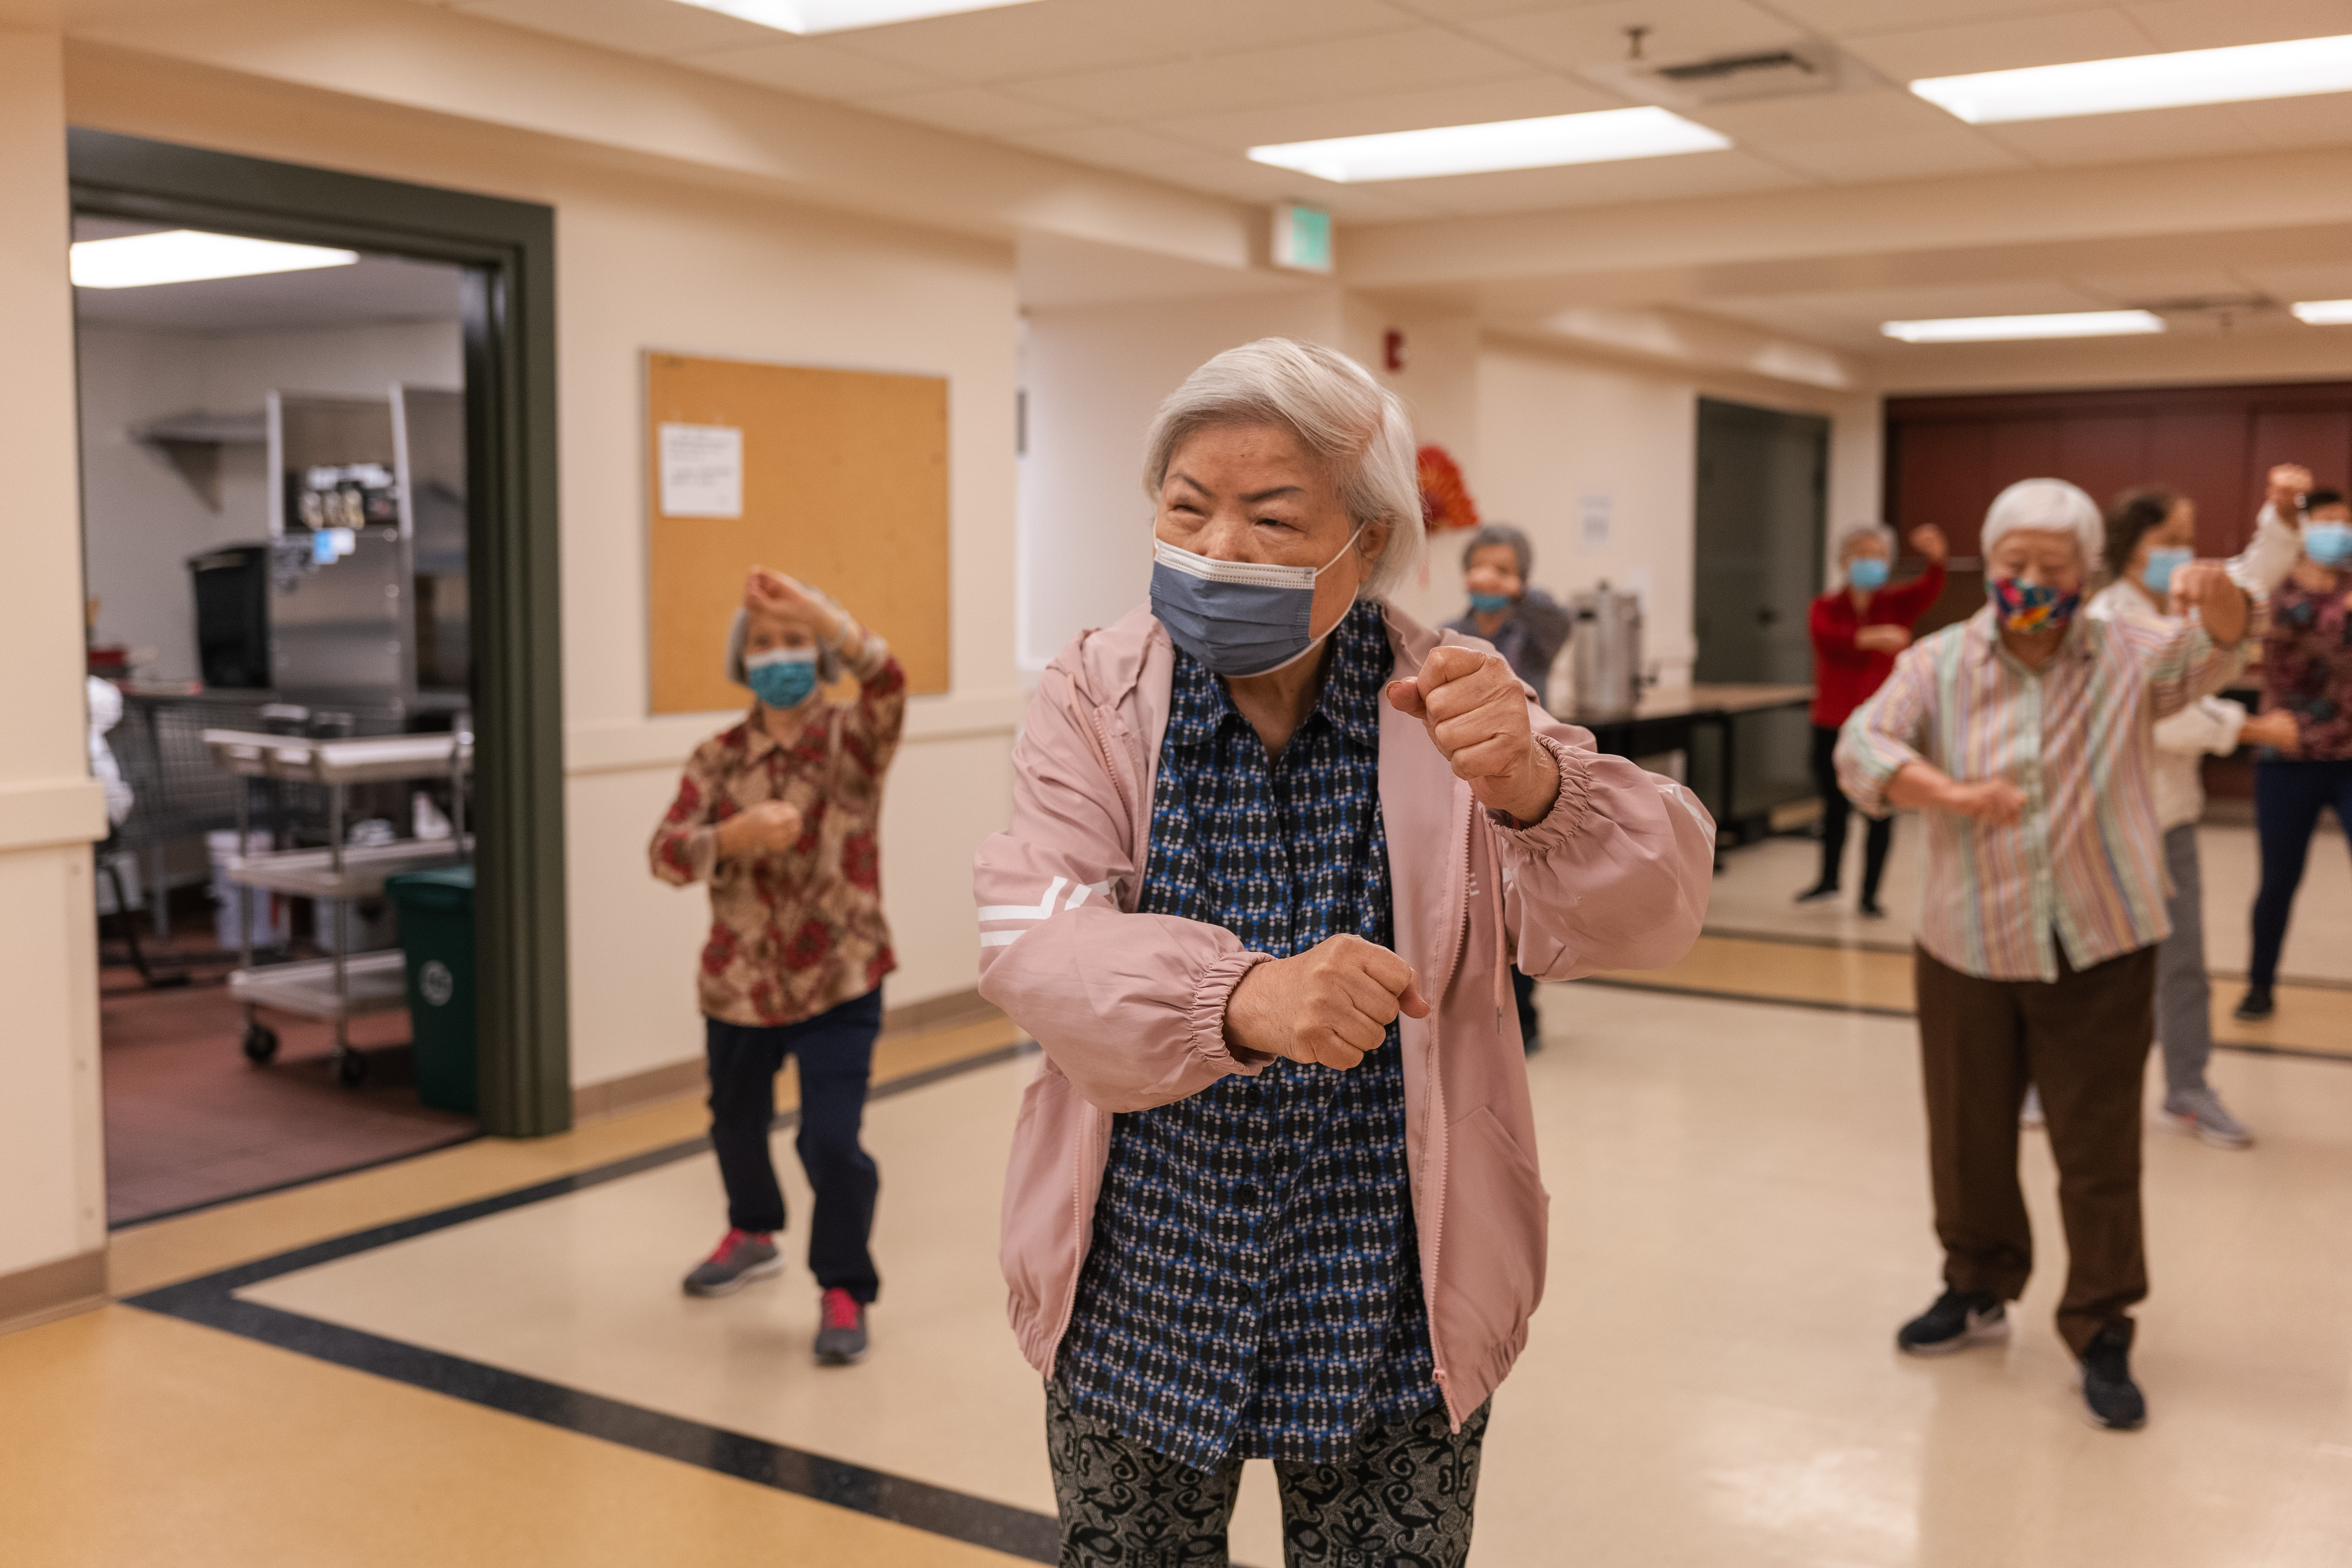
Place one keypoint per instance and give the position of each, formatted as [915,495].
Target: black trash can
[436,933]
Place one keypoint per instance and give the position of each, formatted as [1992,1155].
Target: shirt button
[1245,1195]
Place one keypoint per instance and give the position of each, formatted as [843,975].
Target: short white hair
[1861,530]
[2046,506]
[1337,412]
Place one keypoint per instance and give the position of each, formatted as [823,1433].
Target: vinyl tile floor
[1739,1222]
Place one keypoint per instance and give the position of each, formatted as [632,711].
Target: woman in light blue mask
[1527,626]
[2151,535]
[780,816]
[1857,629]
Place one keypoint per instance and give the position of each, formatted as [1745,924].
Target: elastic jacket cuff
[1570,806]
[1207,1016]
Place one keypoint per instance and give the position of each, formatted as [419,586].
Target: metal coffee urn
[1607,648]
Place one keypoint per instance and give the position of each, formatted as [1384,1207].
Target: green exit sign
[1302,237]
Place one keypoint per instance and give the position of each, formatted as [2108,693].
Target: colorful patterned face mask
[2031,607]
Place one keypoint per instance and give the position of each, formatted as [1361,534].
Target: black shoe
[2110,1399]
[2256,1004]
[1871,912]
[1959,1318]
[1817,892]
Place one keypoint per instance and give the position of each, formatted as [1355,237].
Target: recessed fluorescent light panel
[1996,328]
[840,15]
[1601,137]
[2234,75]
[188,256]
[2324,312]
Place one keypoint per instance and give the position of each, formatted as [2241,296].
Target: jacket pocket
[1497,1223]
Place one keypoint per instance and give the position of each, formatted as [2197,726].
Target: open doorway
[322,689]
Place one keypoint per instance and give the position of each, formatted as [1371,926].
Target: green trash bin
[436,933]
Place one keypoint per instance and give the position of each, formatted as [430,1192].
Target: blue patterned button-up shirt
[1253,1288]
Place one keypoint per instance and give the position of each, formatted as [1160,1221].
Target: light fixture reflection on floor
[1602,136]
[2239,74]
[841,16]
[2324,312]
[189,256]
[1996,328]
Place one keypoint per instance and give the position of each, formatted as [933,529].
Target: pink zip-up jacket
[1130,1007]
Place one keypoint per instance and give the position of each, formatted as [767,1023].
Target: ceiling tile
[1847,18]
[1519,97]
[633,26]
[812,68]
[1014,40]
[974,110]
[2121,290]
[2322,120]
[1486,10]
[1114,146]
[1585,36]
[1597,184]
[1420,57]
[2207,131]
[2202,25]
[1821,116]
[1246,182]
[2007,44]
[2292,283]
[1876,159]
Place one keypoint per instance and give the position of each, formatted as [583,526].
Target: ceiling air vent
[1809,67]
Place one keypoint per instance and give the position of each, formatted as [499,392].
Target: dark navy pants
[2288,795]
[835,1055]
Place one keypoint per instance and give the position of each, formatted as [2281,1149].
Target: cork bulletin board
[838,477]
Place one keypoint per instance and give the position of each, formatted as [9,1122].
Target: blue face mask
[2328,543]
[1235,616]
[2161,565]
[1868,572]
[782,676]
[1490,603]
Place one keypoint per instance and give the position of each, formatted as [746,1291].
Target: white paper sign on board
[701,470]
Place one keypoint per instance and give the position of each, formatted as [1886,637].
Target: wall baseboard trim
[51,1291]
[674,1080]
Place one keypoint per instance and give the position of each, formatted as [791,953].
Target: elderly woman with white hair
[1857,629]
[1273,1193]
[780,816]
[2023,736]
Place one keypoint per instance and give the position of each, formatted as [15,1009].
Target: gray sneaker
[2199,1111]
[841,1329]
[742,1256]
[2028,1115]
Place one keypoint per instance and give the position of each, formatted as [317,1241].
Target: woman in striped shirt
[2022,736]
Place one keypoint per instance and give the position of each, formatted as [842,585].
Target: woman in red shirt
[1857,631]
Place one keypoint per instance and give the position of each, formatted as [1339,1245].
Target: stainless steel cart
[342,987]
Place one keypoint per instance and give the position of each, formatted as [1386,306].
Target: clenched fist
[772,826]
[1476,711]
[1329,1005]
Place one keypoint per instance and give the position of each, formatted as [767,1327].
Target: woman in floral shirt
[779,815]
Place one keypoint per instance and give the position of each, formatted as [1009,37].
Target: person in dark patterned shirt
[1274,848]
[779,815]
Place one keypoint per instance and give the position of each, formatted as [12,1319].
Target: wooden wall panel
[1949,456]
[844,486]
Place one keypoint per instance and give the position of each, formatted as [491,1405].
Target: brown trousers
[2084,1039]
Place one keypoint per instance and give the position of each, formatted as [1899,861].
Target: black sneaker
[1816,893]
[1959,1318]
[742,1256]
[2256,1004]
[841,1329]
[2110,1399]
[1871,911]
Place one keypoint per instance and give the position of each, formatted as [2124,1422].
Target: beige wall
[49,809]
[645,263]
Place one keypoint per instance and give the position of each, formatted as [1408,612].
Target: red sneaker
[741,1257]
[841,1329]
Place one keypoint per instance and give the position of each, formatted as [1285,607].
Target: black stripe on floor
[212,1301]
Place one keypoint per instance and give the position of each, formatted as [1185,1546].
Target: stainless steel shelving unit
[342,987]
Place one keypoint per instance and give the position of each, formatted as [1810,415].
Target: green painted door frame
[509,251]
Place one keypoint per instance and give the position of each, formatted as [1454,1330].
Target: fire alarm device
[1393,350]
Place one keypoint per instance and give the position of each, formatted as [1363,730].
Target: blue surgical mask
[1490,603]
[2328,543]
[2161,565]
[1868,572]
[782,676]
[1236,616]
